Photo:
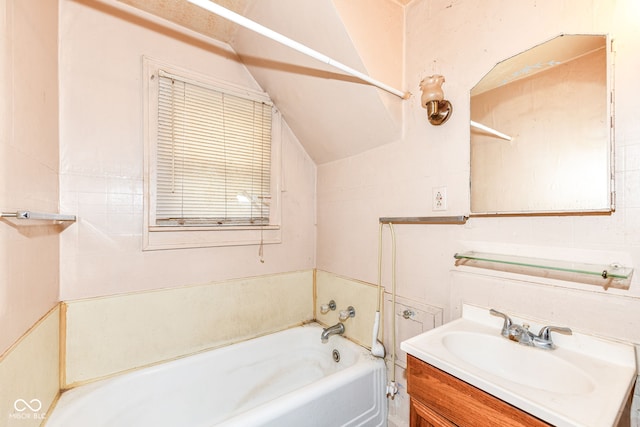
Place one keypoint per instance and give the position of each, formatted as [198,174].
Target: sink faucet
[522,335]
[336,329]
[506,326]
[543,340]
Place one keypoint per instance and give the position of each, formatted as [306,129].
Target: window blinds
[213,156]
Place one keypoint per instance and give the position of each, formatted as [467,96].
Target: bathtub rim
[95,384]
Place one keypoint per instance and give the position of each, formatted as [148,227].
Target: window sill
[160,238]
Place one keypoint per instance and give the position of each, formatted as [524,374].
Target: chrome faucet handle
[346,314]
[324,308]
[545,333]
[506,326]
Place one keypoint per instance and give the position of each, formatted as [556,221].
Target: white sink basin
[528,366]
[583,382]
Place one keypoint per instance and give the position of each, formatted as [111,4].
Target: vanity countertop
[584,381]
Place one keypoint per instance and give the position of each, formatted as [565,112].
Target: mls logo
[27,410]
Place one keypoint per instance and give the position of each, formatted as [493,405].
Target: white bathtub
[285,379]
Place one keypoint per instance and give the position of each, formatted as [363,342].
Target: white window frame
[156,237]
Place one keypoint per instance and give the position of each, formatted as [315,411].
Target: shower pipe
[260,29]
[376,347]
[392,388]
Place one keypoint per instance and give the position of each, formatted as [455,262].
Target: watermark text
[27,410]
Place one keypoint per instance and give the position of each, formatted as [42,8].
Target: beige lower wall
[108,335]
[29,373]
[362,296]
[104,336]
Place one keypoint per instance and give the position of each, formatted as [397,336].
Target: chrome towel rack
[461,219]
[43,216]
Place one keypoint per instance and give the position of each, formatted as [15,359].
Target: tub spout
[338,328]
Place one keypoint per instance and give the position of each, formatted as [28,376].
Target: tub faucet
[338,328]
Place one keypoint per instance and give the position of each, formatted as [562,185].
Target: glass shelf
[606,275]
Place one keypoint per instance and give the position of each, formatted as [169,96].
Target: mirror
[553,102]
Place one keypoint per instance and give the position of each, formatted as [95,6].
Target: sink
[584,381]
[531,367]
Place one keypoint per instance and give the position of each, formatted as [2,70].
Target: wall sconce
[438,108]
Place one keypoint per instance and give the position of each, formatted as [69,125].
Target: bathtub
[288,378]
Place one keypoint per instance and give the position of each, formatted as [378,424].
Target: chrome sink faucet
[522,335]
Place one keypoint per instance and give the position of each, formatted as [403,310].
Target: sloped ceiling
[184,13]
[333,114]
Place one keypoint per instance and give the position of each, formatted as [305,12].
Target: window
[213,156]
[211,162]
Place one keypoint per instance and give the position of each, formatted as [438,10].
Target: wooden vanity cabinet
[439,399]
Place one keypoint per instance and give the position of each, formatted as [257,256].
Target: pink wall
[28,162]
[101,156]
[101,165]
[463,41]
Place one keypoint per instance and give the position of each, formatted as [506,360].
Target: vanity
[462,405]
[466,373]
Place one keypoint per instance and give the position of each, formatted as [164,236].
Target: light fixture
[438,108]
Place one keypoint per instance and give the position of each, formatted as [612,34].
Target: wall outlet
[439,198]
